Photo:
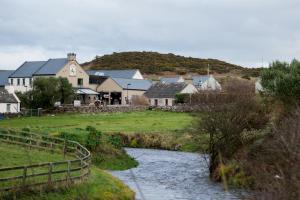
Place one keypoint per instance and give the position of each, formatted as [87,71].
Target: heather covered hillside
[157,63]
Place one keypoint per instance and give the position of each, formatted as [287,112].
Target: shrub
[93,139]
[275,161]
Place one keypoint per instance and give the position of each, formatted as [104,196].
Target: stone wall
[111,109]
[93,109]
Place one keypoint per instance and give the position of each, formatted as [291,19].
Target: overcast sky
[237,31]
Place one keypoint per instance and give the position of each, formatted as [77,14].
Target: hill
[157,63]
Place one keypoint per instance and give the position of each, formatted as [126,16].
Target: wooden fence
[75,169]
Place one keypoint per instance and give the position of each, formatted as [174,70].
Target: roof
[163,90]
[52,66]
[170,79]
[86,91]
[127,73]
[97,79]
[133,84]
[6,97]
[27,69]
[199,80]
[4,74]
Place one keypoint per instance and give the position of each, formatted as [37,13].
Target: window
[23,81]
[80,81]
[30,81]
[8,108]
[155,102]
[11,81]
[167,102]
[18,81]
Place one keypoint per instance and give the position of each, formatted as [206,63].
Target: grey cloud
[238,31]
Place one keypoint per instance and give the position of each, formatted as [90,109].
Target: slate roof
[38,68]
[163,90]
[4,74]
[27,69]
[199,80]
[5,97]
[52,66]
[127,73]
[170,79]
[135,84]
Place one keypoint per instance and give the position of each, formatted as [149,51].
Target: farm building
[114,91]
[207,82]
[9,102]
[162,94]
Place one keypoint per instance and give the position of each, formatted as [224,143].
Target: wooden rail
[44,174]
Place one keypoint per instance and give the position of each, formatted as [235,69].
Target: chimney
[71,56]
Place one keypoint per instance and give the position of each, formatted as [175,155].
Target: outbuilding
[162,94]
[9,102]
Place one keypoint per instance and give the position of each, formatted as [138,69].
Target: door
[155,102]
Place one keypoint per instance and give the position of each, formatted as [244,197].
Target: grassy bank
[146,129]
[100,186]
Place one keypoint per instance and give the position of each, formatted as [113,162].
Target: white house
[9,102]
[162,94]
[207,82]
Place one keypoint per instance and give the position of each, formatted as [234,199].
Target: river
[170,175]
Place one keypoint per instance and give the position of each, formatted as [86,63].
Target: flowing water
[169,175]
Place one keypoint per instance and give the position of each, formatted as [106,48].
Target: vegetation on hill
[156,63]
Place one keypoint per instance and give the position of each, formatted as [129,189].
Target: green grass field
[100,184]
[133,122]
[13,155]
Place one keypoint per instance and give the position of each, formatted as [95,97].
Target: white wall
[162,102]
[189,89]
[14,107]
[211,84]
[21,87]
[138,75]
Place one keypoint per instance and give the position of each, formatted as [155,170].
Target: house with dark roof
[22,78]
[114,91]
[126,73]
[163,94]
[9,102]
[4,74]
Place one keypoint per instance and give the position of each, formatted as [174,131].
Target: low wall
[93,109]
[111,109]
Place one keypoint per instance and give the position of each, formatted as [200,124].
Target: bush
[228,123]
[275,161]
[93,139]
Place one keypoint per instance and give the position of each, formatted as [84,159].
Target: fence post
[50,173]
[24,175]
[65,148]
[69,171]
